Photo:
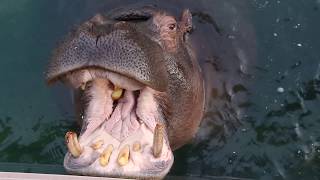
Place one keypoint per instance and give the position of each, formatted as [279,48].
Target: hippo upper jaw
[114,46]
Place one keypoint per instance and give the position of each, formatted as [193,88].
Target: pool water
[262,119]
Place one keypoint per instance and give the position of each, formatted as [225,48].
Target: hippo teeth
[158,140]
[97,144]
[117,93]
[136,146]
[105,156]
[83,86]
[73,144]
[123,157]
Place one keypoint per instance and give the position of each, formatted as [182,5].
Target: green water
[280,132]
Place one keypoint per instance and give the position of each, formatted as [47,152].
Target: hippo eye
[172,26]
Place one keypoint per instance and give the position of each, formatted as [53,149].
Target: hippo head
[140,88]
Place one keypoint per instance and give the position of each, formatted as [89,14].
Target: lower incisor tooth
[136,146]
[158,140]
[97,144]
[123,157]
[105,156]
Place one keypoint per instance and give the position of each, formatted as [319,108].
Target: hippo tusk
[117,93]
[73,144]
[157,140]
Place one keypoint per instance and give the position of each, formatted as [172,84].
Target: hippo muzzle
[140,88]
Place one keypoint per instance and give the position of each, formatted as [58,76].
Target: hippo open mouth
[142,90]
[121,135]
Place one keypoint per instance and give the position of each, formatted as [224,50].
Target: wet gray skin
[146,52]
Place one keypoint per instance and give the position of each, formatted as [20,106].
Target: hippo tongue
[123,121]
[120,122]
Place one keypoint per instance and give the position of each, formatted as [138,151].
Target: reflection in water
[47,148]
[262,69]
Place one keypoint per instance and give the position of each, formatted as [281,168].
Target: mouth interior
[122,134]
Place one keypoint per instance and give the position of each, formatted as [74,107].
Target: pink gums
[123,120]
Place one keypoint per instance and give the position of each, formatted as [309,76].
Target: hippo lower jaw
[123,134]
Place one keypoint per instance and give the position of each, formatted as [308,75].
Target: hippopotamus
[139,91]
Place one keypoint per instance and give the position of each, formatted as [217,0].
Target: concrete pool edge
[36,176]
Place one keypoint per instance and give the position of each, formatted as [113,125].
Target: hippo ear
[186,21]
[132,13]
